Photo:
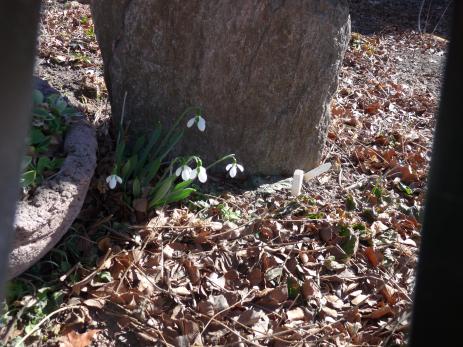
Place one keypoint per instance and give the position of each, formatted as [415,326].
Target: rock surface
[264,72]
[42,222]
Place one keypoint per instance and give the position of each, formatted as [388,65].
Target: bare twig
[441,16]
[399,321]
[225,310]
[231,330]
[39,324]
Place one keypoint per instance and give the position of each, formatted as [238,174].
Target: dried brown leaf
[140,205]
[381,312]
[334,301]
[255,277]
[353,315]
[329,312]
[295,314]
[309,289]
[371,255]
[389,294]
[75,339]
[206,308]
[104,244]
[251,317]
[181,291]
[373,108]
[193,271]
[359,299]
[219,302]
[96,303]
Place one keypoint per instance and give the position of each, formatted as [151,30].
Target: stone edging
[41,222]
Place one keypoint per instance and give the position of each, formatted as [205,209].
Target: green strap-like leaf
[163,190]
[174,197]
[145,154]
[151,171]
[119,153]
[129,167]
[180,195]
[172,142]
[136,188]
[139,145]
[182,185]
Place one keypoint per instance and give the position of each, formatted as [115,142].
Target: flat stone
[42,221]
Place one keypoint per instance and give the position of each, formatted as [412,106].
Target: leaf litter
[332,267]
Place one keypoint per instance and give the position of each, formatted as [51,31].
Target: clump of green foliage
[148,178]
[50,119]
[29,299]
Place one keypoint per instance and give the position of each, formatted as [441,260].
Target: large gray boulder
[264,72]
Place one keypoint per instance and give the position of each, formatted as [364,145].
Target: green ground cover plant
[50,120]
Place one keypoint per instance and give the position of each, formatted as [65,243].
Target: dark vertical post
[18,31]
[438,306]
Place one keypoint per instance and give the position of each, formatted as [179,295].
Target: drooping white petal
[228,167]
[233,171]
[112,182]
[186,172]
[178,171]
[240,167]
[202,176]
[193,175]
[191,122]
[201,123]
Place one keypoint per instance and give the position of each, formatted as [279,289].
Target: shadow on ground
[373,16]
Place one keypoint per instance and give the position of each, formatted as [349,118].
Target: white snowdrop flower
[186,172]
[199,121]
[232,169]
[202,174]
[194,173]
[113,180]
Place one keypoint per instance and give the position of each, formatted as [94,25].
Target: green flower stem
[222,159]
[177,122]
[122,120]
[193,158]
[179,119]
[198,161]
[171,165]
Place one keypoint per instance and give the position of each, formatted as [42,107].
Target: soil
[370,17]
[69,58]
